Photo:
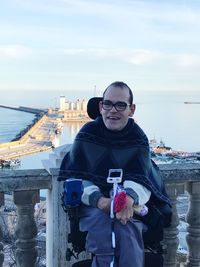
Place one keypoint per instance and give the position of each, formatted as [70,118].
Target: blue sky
[77,44]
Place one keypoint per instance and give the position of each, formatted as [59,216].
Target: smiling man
[113,141]
[117,106]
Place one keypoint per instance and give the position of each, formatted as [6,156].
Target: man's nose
[113,109]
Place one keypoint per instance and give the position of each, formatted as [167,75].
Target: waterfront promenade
[38,138]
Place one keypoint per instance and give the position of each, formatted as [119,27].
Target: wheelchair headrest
[93,107]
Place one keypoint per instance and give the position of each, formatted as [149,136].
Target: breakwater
[29,127]
[38,138]
[26,109]
[39,113]
[33,110]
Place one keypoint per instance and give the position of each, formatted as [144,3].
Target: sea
[162,115]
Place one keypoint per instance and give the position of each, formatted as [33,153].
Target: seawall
[26,109]
[25,137]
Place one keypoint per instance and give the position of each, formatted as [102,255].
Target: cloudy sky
[77,44]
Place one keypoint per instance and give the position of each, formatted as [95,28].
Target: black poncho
[96,150]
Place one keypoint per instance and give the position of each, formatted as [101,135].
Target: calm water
[165,116]
[12,122]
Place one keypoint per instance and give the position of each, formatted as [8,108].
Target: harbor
[40,135]
[163,154]
[38,138]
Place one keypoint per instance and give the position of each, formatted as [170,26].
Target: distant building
[62,103]
[73,111]
[71,106]
[67,105]
[84,105]
[79,105]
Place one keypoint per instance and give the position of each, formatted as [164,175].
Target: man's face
[116,120]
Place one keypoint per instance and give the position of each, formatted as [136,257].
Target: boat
[162,154]
[55,142]
[57,131]
[159,148]
[59,128]
[191,102]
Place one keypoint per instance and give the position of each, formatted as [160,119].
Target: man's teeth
[113,118]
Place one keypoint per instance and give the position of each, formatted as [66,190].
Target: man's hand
[126,213]
[104,204]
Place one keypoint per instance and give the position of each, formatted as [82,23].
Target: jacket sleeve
[91,193]
[138,192]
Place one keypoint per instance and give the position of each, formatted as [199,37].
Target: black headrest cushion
[93,107]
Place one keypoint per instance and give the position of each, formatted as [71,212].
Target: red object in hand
[119,201]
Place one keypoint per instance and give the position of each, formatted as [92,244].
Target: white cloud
[141,56]
[133,56]
[14,52]
[187,60]
[137,56]
[105,23]
[87,39]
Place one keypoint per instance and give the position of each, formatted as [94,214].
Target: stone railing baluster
[56,230]
[1,234]
[171,233]
[193,219]
[26,230]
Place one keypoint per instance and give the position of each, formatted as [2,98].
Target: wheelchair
[160,218]
[154,249]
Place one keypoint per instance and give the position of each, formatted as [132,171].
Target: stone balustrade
[25,186]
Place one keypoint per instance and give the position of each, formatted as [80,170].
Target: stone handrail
[25,185]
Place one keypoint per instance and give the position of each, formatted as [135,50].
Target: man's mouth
[113,118]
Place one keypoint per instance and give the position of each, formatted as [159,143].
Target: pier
[26,109]
[40,135]
[38,138]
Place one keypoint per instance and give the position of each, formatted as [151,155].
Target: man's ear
[132,108]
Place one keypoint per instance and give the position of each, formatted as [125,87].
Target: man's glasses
[119,106]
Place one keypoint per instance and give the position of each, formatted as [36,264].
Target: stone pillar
[26,230]
[193,219]
[57,229]
[171,233]
[1,234]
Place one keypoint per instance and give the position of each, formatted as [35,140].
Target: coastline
[39,135]
[37,138]
[38,115]
[26,129]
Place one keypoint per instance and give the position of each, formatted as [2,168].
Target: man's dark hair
[122,85]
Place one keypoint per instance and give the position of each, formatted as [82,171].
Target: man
[113,141]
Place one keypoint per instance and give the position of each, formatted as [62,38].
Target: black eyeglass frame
[115,105]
